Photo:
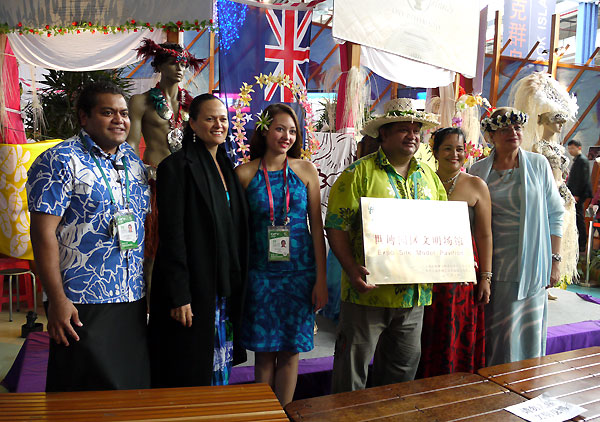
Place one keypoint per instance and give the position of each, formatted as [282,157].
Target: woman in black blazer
[199,273]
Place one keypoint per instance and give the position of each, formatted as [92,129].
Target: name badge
[127,230]
[279,243]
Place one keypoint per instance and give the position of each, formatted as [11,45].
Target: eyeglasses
[510,129]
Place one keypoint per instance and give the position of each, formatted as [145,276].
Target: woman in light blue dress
[527,216]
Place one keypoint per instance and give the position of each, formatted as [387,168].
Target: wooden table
[445,398]
[570,376]
[249,402]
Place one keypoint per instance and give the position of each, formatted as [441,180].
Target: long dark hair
[258,142]
[441,134]
[195,106]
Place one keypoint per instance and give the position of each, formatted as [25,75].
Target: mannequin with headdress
[550,106]
[159,115]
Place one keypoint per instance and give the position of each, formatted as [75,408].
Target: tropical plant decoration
[58,100]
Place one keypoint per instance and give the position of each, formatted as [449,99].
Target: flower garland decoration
[489,124]
[474,150]
[471,101]
[264,120]
[412,113]
[93,27]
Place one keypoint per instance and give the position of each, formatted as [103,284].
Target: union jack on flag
[270,39]
[288,52]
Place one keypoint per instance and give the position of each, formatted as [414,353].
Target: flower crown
[489,124]
[150,49]
[263,120]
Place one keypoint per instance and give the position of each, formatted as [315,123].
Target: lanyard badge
[126,229]
[278,237]
[279,243]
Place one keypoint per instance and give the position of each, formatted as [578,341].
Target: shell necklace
[452,180]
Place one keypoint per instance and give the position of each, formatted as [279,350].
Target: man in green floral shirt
[383,321]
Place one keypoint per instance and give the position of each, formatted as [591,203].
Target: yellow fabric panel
[15,160]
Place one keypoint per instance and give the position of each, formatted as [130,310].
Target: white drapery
[439,33]
[81,52]
[405,71]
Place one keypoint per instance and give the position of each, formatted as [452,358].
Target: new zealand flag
[255,40]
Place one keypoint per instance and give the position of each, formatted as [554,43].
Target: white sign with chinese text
[408,241]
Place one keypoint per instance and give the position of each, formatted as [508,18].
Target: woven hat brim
[371,128]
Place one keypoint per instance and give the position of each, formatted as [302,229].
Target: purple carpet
[589,298]
[28,373]
[579,335]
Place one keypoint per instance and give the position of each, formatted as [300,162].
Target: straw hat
[400,110]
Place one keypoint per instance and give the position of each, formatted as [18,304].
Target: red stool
[13,267]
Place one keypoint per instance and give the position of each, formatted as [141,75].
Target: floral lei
[489,124]
[264,120]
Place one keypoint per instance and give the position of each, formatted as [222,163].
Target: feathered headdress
[150,49]
[537,94]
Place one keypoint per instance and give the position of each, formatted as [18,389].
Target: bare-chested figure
[159,115]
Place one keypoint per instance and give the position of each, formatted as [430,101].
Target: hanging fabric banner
[405,71]
[526,22]
[15,161]
[12,130]
[81,52]
[438,33]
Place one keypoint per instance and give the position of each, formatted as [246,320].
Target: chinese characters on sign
[526,22]
[545,408]
[407,241]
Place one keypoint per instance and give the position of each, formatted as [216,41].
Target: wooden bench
[251,402]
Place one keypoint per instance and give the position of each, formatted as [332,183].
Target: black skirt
[111,354]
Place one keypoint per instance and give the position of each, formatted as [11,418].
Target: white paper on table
[545,408]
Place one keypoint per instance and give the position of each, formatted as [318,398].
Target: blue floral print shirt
[64,181]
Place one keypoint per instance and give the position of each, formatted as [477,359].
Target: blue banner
[526,22]
[255,40]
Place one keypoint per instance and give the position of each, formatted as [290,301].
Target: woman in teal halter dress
[282,294]
[278,311]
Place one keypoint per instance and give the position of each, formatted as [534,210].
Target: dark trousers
[580,221]
[111,354]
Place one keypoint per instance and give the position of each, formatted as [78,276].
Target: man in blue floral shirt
[380,323]
[88,197]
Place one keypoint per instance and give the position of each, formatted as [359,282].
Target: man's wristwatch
[556,257]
